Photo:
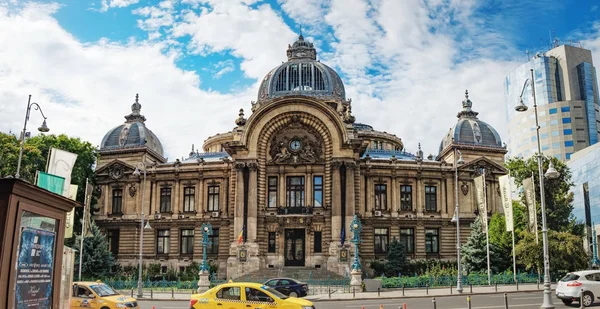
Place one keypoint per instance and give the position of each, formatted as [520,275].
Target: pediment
[115,169]
[477,165]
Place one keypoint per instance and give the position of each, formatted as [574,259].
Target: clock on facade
[295,145]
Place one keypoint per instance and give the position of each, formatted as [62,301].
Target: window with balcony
[380,197]
[213,197]
[272,191]
[430,198]
[165,199]
[189,196]
[382,239]
[295,191]
[406,198]
[318,191]
[187,241]
[407,239]
[432,238]
[117,201]
[162,241]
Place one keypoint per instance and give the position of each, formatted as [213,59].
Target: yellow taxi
[97,295]
[246,295]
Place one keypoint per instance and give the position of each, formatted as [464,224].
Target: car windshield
[103,290]
[569,277]
[273,291]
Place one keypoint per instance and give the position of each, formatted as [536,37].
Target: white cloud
[108,4]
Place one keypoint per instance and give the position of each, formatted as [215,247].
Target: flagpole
[83,226]
[487,234]
[537,240]
[512,230]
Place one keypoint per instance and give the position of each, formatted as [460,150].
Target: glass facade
[587,79]
[585,169]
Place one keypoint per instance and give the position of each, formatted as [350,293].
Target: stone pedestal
[356,280]
[337,263]
[203,282]
[239,265]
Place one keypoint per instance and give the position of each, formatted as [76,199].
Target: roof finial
[136,107]
[137,97]
[467,94]
[300,37]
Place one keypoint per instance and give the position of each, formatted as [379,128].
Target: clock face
[295,145]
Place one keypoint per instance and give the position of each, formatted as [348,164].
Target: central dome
[302,74]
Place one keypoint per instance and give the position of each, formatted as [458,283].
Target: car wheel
[588,299]
[567,301]
[293,294]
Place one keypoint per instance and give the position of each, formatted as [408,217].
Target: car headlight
[121,306]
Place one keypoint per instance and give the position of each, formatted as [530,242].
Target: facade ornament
[240,121]
[200,161]
[351,165]
[336,164]
[465,188]
[116,172]
[253,166]
[177,164]
[132,190]
[239,166]
[419,154]
[348,118]
[254,106]
[99,191]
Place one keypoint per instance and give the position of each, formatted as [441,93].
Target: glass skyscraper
[567,97]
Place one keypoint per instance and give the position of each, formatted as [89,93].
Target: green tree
[564,249]
[396,260]
[474,252]
[31,161]
[559,201]
[501,239]
[97,261]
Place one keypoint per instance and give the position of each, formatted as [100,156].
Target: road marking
[501,306]
[522,298]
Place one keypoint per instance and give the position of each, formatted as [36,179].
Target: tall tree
[97,261]
[396,260]
[559,201]
[474,252]
[501,239]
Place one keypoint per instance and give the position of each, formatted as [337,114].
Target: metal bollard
[469,302]
[329,291]
[538,283]
[505,301]
[427,288]
[151,294]
[131,292]
[172,293]
[434,304]
[471,288]
[517,285]
[353,292]
[450,287]
[496,286]
[378,291]
[581,299]
[402,289]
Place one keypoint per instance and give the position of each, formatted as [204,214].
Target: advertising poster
[34,269]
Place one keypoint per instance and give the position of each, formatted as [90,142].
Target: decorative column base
[356,280]
[203,282]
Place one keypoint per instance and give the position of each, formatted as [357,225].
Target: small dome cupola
[133,133]
[302,74]
[470,130]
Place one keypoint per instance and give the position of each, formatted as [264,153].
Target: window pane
[272,191]
[407,240]
[317,242]
[318,191]
[213,197]
[406,197]
[272,242]
[213,248]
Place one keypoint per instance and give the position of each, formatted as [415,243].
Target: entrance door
[294,247]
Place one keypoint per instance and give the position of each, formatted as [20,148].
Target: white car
[570,287]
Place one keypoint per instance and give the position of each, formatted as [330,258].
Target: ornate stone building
[290,178]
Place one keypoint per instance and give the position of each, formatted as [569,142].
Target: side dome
[133,133]
[470,130]
[302,74]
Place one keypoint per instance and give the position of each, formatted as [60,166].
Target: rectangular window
[272,242]
[568,143]
[162,241]
[295,191]
[187,241]
[117,201]
[568,155]
[317,242]
[318,191]
[432,237]
[381,240]
[553,122]
[554,133]
[430,198]
[566,120]
[380,196]
[406,197]
[568,131]
[545,147]
[189,196]
[407,239]
[213,197]
[165,199]
[555,145]
[552,111]
[534,138]
[565,109]
[113,241]
[272,191]
[213,248]
[544,135]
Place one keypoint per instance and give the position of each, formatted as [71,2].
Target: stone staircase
[304,274]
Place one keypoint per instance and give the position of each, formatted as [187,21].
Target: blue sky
[195,63]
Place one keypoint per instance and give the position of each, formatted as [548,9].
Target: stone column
[177,200]
[419,192]
[350,200]
[239,201]
[252,202]
[394,191]
[336,203]
[200,204]
[281,201]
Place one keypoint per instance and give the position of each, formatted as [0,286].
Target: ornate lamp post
[456,219]
[140,285]
[42,128]
[204,282]
[551,173]
[356,228]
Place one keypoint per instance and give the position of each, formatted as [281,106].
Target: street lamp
[143,227]
[206,232]
[42,128]
[552,173]
[456,218]
[356,228]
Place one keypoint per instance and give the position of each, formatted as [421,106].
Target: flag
[530,199]
[61,164]
[481,202]
[240,238]
[505,194]
[343,236]
[52,183]
[87,217]
[71,214]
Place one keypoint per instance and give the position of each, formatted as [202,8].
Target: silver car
[570,287]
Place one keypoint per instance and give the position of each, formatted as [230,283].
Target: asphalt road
[527,300]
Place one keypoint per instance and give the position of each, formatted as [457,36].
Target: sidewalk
[384,294]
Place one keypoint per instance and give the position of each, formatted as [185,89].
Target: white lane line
[501,306]
[522,298]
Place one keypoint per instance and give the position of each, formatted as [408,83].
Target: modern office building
[567,97]
[585,169]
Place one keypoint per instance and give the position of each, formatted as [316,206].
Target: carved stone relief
[296,144]
[132,190]
[465,188]
[116,172]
